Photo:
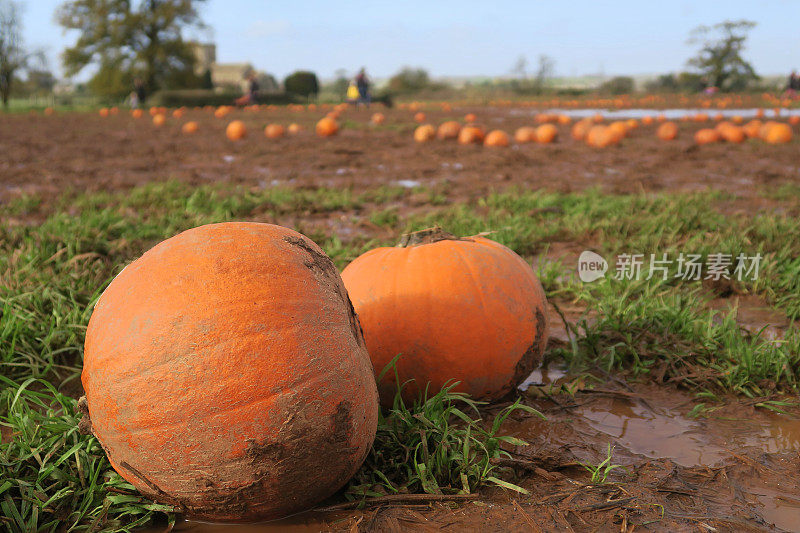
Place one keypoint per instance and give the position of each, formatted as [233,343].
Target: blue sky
[464,37]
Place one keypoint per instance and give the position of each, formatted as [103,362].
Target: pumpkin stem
[426,236]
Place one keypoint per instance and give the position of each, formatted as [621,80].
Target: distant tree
[720,57]
[520,68]
[618,85]
[409,80]
[666,83]
[301,83]
[13,57]
[545,70]
[128,38]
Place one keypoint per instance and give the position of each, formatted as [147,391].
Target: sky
[466,37]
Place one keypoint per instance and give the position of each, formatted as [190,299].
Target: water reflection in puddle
[654,434]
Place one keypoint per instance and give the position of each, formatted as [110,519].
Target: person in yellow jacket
[352,93]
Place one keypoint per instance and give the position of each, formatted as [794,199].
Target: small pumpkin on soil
[226,374]
[467,309]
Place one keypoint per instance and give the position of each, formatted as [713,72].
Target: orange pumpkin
[619,129]
[667,131]
[732,134]
[601,136]
[525,134]
[189,128]
[470,135]
[546,133]
[159,120]
[752,129]
[581,128]
[137,113]
[497,139]
[178,113]
[274,131]
[424,133]
[564,120]
[778,133]
[706,136]
[294,128]
[448,130]
[469,310]
[378,118]
[236,130]
[49,111]
[470,117]
[794,120]
[226,374]
[647,120]
[419,118]
[104,112]
[327,127]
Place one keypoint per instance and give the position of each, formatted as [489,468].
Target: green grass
[54,478]
[435,446]
[56,259]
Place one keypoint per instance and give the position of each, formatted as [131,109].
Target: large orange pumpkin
[778,133]
[470,135]
[448,130]
[236,130]
[424,133]
[274,131]
[706,136]
[525,134]
[327,127]
[189,128]
[466,309]
[159,120]
[496,138]
[226,374]
[546,133]
[601,136]
[667,131]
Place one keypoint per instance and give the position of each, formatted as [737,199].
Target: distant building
[229,75]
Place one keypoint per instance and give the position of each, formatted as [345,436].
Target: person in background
[793,85]
[362,83]
[139,91]
[252,88]
[353,94]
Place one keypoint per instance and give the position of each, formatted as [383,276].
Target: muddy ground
[46,155]
[735,470]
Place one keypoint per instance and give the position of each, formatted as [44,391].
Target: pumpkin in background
[448,130]
[294,128]
[732,133]
[419,118]
[546,133]
[327,127]
[667,131]
[274,131]
[778,133]
[226,374]
[601,136]
[159,120]
[470,135]
[619,129]
[178,113]
[706,136]
[424,133]
[647,120]
[496,139]
[564,120]
[525,134]
[581,128]
[470,117]
[104,112]
[469,310]
[752,129]
[137,113]
[378,118]
[189,128]
[794,120]
[236,130]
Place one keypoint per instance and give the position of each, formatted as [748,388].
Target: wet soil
[734,470]
[69,151]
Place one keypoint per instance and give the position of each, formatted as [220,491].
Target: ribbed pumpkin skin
[226,373]
[469,310]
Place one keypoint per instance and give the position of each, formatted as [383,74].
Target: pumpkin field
[338,318]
